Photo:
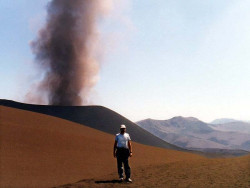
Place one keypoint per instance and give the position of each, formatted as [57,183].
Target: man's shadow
[90,181]
[108,181]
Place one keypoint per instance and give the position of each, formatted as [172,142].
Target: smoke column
[64,51]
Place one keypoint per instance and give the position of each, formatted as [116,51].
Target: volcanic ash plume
[65,50]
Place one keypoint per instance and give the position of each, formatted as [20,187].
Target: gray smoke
[64,51]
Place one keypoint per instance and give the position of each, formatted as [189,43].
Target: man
[122,151]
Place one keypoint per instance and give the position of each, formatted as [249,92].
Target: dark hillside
[97,117]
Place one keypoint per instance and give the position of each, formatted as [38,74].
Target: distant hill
[237,126]
[193,133]
[96,117]
[224,120]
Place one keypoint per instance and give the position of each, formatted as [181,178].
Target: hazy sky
[162,58]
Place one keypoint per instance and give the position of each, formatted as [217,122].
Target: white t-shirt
[122,140]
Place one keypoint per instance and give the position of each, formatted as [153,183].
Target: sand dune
[97,117]
[38,150]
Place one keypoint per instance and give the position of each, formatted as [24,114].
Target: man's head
[123,129]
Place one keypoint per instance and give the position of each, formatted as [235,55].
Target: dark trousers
[122,155]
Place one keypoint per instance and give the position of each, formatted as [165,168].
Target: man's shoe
[129,180]
[120,179]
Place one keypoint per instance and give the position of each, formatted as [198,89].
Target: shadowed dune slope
[38,150]
[96,117]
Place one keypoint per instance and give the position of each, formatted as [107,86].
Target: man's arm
[130,147]
[114,151]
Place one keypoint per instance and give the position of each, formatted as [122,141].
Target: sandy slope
[43,151]
[205,173]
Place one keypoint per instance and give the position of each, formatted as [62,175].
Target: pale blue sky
[163,58]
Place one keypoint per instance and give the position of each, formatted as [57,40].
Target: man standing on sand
[122,151]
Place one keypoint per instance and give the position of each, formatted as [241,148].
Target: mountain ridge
[183,132]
